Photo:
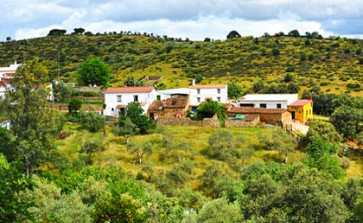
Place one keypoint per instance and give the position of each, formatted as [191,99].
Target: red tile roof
[2,84]
[180,102]
[141,89]
[248,110]
[300,103]
[207,86]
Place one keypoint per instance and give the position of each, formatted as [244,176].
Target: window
[219,99]
[278,106]
[198,91]
[198,99]
[119,97]
[158,97]
[263,105]
[218,91]
[136,98]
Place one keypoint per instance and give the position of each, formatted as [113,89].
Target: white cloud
[187,18]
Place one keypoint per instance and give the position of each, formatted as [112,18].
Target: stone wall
[233,123]
[213,122]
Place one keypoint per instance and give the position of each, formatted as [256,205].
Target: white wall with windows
[201,93]
[267,100]
[116,101]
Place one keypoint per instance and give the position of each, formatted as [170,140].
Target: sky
[193,19]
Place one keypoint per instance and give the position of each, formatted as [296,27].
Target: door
[293,115]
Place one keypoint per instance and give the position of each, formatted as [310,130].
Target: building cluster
[270,108]
[175,103]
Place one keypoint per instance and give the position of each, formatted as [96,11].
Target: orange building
[301,110]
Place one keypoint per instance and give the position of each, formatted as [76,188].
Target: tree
[62,91]
[57,32]
[93,72]
[209,108]
[33,123]
[74,105]
[234,90]
[294,33]
[211,212]
[126,128]
[89,146]
[222,145]
[134,112]
[347,121]
[12,209]
[92,121]
[320,155]
[131,81]
[233,34]
[279,140]
[325,130]
[141,150]
[275,52]
[79,31]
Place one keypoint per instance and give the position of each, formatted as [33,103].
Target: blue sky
[195,19]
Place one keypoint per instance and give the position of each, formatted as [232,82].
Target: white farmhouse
[267,100]
[117,98]
[8,72]
[201,93]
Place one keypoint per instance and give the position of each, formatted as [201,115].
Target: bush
[92,121]
[74,105]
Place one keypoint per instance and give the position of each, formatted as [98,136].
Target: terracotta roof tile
[2,84]
[141,89]
[300,103]
[207,86]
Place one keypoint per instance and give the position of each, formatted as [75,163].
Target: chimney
[193,82]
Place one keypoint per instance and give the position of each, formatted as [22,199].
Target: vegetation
[332,63]
[85,171]
[93,72]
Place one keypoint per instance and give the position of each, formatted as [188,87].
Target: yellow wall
[302,113]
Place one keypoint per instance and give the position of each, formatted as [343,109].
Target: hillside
[334,64]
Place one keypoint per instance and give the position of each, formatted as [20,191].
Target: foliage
[211,212]
[279,140]
[233,34]
[122,208]
[320,156]
[11,183]
[93,72]
[142,123]
[131,81]
[141,150]
[92,121]
[347,121]
[62,92]
[325,130]
[52,206]
[209,108]
[91,145]
[234,90]
[74,105]
[33,123]
[302,195]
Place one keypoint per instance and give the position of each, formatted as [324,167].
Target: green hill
[334,64]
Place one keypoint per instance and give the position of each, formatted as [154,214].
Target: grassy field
[195,139]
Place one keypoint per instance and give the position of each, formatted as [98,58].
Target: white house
[266,100]
[201,93]
[8,72]
[117,98]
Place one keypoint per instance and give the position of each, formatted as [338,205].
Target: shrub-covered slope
[333,63]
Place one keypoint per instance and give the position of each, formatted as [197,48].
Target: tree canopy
[93,72]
